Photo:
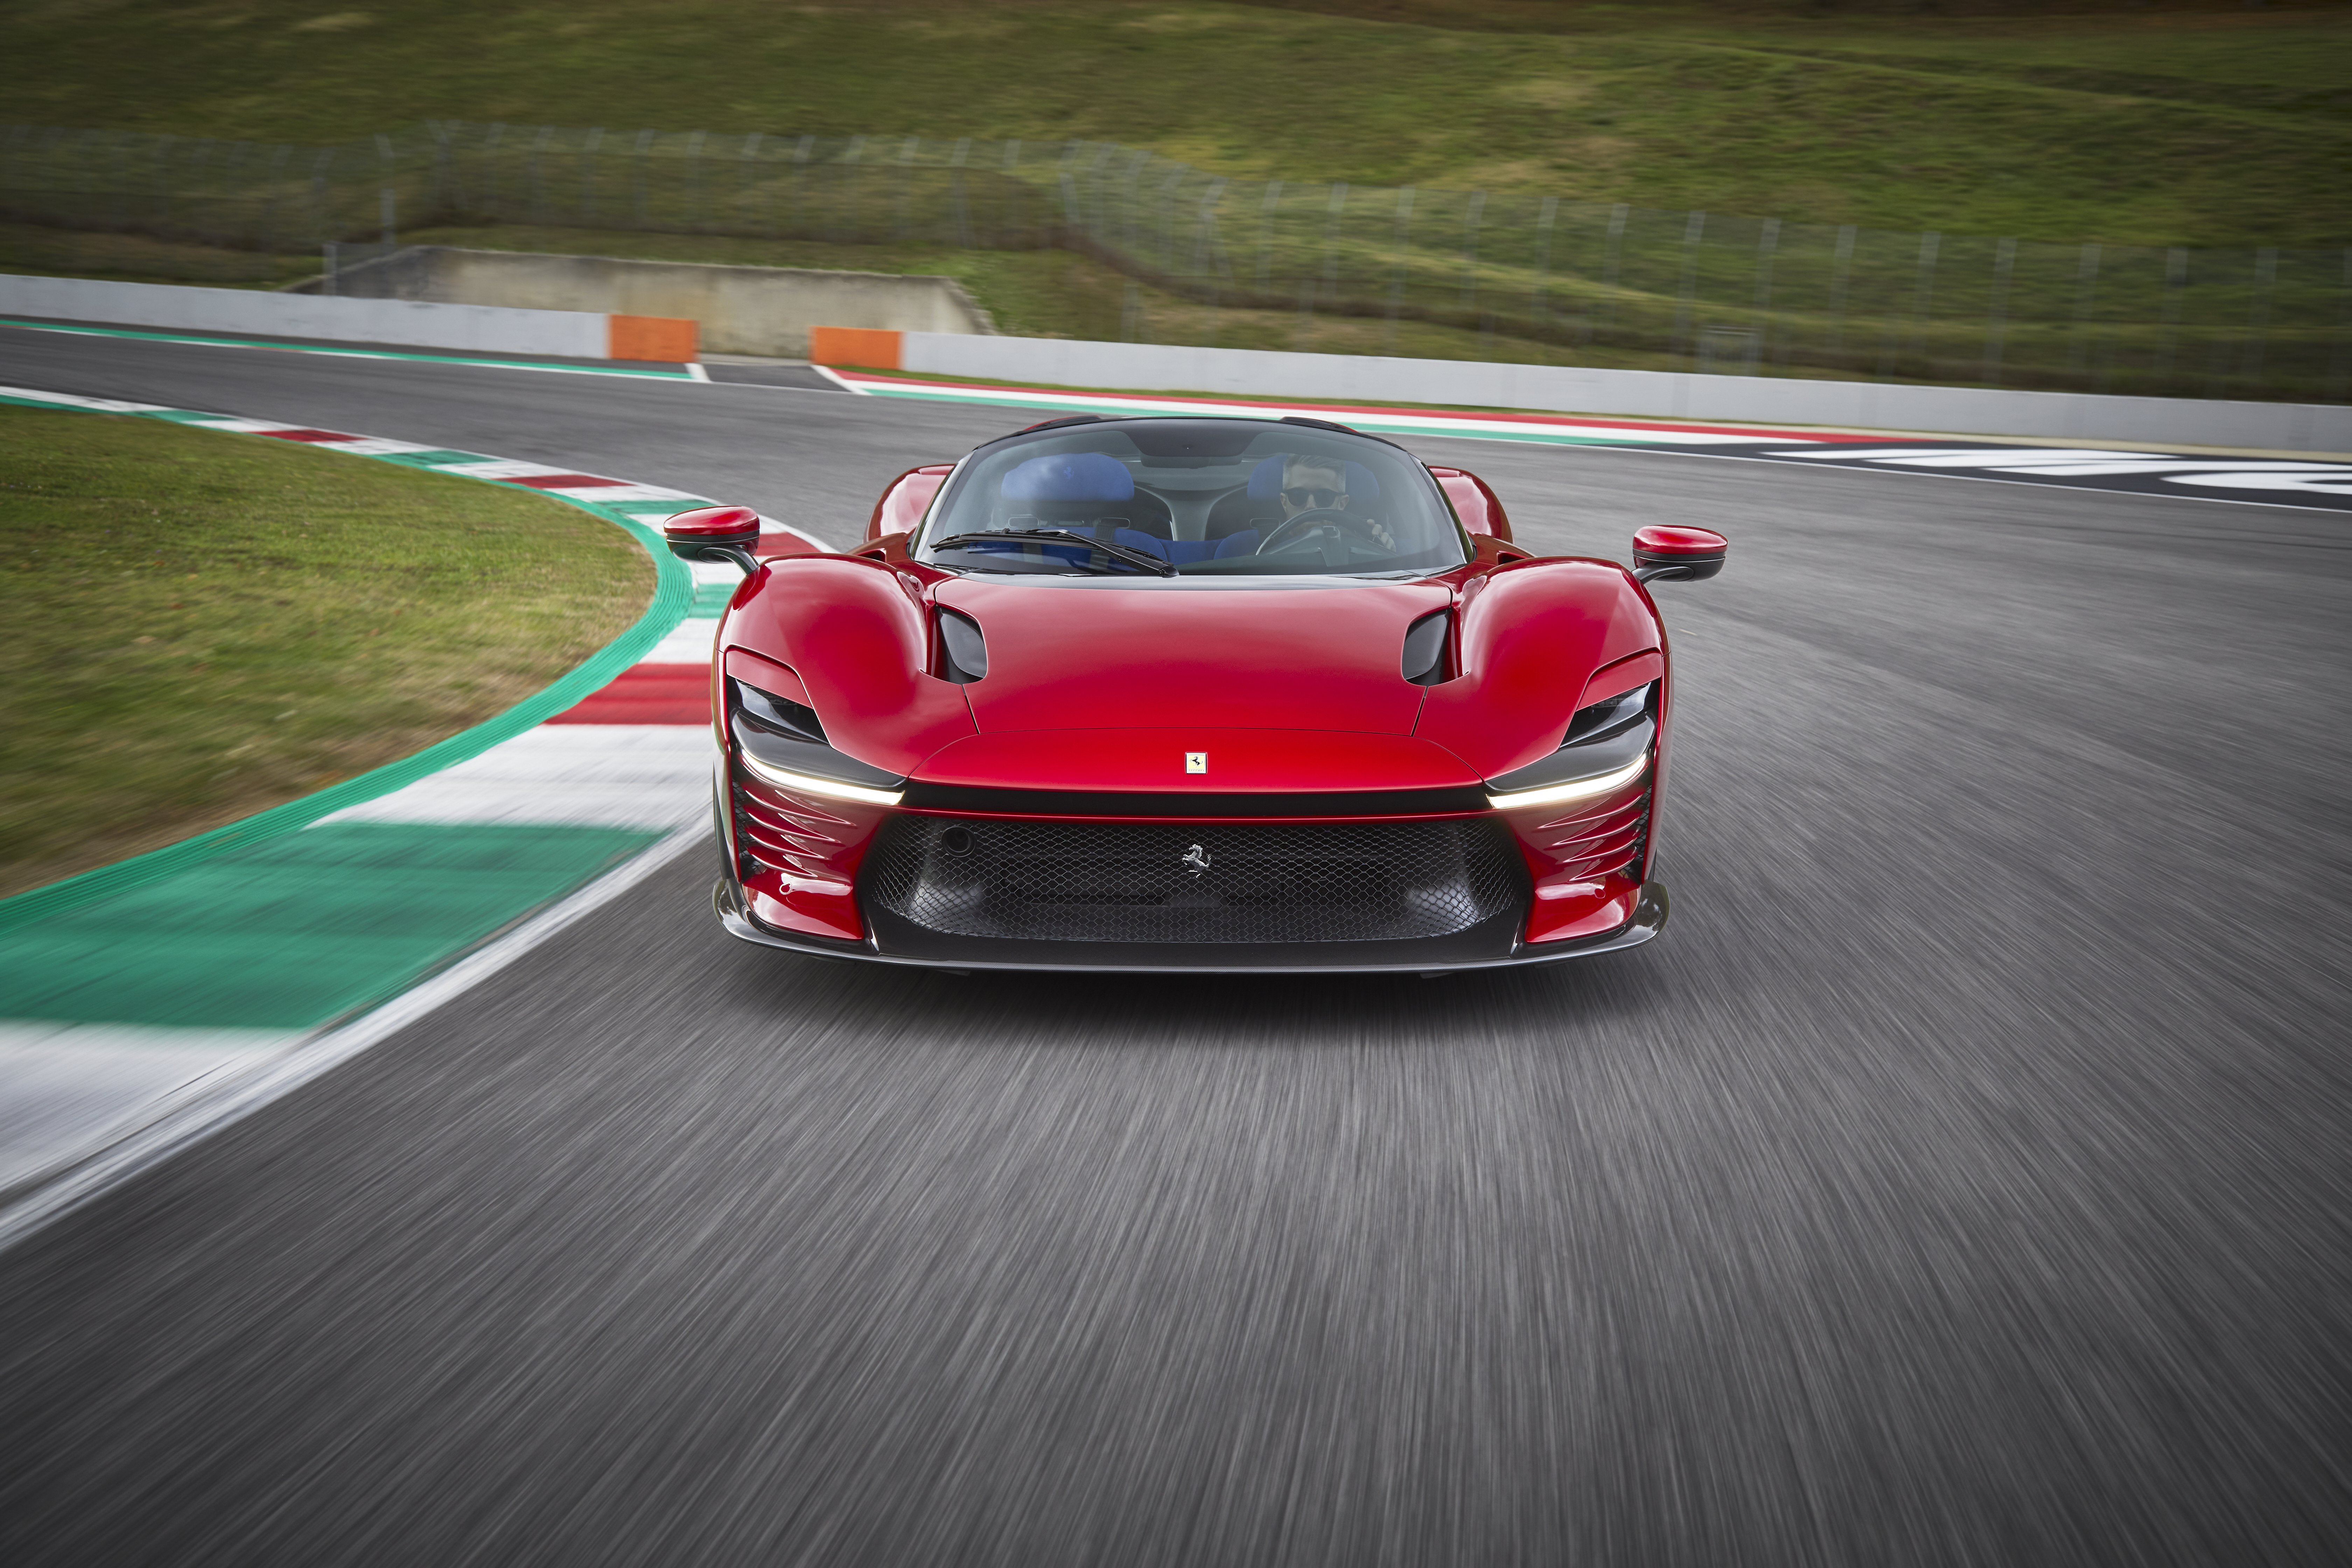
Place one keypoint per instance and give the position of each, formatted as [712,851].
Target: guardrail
[761,310]
[1534,276]
[1575,389]
[405,323]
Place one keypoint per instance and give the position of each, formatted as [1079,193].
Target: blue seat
[1069,476]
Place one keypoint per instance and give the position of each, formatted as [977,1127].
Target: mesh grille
[1194,882]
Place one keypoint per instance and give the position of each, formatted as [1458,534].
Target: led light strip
[1576,789]
[809,784]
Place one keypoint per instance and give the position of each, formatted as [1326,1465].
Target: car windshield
[1149,498]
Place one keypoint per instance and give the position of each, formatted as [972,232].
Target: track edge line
[239,1095]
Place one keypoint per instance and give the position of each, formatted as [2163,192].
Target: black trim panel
[1489,940]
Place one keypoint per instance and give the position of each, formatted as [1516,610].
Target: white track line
[239,1094]
[845,384]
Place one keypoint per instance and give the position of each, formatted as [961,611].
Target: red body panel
[857,635]
[1493,551]
[1567,910]
[812,846]
[1240,762]
[909,496]
[1624,675]
[1297,663]
[1475,502]
[1663,538]
[736,525]
[768,676]
[1532,633]
[1309,658]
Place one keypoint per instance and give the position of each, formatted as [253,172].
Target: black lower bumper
[1471,949]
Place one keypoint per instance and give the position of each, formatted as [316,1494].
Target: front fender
[856,633]
[1533,632]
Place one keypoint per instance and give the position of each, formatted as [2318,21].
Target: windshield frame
[919,546]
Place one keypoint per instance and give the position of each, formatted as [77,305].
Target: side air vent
[1425,663]
[963,652]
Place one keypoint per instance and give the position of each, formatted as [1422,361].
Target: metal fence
[1531,275]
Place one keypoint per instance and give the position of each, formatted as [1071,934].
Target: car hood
[1196,760]
[1072,656]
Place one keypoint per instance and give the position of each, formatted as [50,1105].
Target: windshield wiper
[1132,556]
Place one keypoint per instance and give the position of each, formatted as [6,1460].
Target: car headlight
[783,743]
[1609,744]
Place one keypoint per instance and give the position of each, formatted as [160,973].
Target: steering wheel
[1327,516]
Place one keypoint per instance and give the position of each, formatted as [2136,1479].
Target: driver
[1312,484]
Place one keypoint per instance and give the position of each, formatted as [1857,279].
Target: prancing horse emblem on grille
[1197,859]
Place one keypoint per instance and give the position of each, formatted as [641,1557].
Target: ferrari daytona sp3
[1191,693]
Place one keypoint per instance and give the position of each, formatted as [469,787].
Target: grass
[1062,293]
[43,250]
[2018,137]
[2164,125]
[202,625]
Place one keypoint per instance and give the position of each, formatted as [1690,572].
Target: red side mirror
[1679,555]
[715,533]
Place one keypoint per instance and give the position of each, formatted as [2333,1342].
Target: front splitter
[1648,918]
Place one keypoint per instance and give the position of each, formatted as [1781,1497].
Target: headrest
[1070,475]
[1265,480]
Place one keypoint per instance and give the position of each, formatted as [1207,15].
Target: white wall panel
[400,323]
[1638,394]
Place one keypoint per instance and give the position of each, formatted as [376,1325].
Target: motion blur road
[1962,1178]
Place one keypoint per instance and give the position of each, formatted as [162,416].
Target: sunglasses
[1302,497]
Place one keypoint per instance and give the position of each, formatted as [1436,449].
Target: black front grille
[1065,881]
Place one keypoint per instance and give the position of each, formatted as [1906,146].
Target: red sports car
[1191,694]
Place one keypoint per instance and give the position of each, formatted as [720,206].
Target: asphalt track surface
[1961,1178]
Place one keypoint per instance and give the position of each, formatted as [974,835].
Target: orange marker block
[669,340]
[868,348]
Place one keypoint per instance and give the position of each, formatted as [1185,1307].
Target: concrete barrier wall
[741,310]
[1660,394]
[473,329]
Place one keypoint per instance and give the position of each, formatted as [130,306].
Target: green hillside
[2150,125]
